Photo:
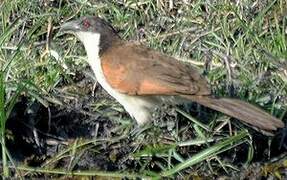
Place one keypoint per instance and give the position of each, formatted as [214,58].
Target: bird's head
[91,31]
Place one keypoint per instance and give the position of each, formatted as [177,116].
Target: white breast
[136,106]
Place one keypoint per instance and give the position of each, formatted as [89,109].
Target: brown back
[137,70]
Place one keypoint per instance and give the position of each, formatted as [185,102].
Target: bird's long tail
[240,110]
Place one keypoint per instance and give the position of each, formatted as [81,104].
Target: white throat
[91,42]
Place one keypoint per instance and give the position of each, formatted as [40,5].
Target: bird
[141,79]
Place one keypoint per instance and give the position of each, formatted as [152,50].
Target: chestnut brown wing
[137,70]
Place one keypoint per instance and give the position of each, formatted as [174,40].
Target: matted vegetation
[56,122]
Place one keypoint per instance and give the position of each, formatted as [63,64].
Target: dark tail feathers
[240,110]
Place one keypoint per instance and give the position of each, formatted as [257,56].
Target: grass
[239,46]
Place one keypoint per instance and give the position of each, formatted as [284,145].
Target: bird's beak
[70,27]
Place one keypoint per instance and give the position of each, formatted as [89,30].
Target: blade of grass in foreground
[5,110]
[209,152]
[82,173]
[2,123]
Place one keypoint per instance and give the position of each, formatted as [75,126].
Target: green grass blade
[2,122]
[207,153]
[9,31]
[12,101]
[82,173]
[193,119]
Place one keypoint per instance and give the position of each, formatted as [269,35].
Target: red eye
[86,23]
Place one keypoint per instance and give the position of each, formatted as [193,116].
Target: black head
[91,24]
[86,26]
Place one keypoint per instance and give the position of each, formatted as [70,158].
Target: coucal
[142,79]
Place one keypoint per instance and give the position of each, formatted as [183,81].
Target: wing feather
[137,70]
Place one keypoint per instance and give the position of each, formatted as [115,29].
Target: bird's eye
[86,23]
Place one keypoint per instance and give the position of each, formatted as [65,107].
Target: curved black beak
[70,27]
